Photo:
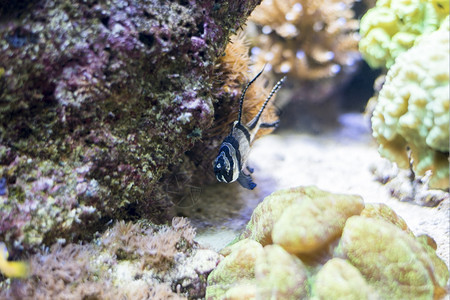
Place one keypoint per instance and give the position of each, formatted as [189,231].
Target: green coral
[392,27]
[251,271]
[413,109]
[238,267]
[367,253]
[392,261]
[271,220]
[338,279]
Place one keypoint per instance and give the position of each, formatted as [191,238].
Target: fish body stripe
[235,145]
[244,131]
[230,157]
[225,152]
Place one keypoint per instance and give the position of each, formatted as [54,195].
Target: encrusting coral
[312,41]
[368,252]
[392,27]
[129,261]
[413,109]
[99,99]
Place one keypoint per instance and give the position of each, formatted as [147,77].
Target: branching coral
[392,27]
[308,40]
[129,261]
[359,253]
[413,109]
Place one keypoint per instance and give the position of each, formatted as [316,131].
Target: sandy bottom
[337,161]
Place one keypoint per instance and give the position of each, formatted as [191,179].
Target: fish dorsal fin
[241,101]
[252,124]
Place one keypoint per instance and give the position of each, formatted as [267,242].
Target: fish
[231,161]
[12,269]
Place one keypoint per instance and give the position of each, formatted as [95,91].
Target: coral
[257,272]
[111,94]
[338,279]
[14,269]
[280,274]
[291,218]
[392,261]
[313,42]
[126,240]
[309,231]
[372,254]
[129,261]
[237,266]
[413,109]
[392,27]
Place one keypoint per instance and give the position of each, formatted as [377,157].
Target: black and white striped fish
[233,154]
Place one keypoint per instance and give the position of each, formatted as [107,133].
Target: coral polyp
[413,109]
[312,244]
[308,40]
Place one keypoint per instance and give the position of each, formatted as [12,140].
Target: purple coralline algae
[98,99]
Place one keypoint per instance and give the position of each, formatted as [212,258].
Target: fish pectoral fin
[250,170]
[246,181]
[270,125]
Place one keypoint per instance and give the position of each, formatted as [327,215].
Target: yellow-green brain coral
[367,252]
[413,109]
[392,27]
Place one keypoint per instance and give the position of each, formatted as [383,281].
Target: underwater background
[112,113]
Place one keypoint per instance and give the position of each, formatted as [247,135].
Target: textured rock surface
[98,99]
